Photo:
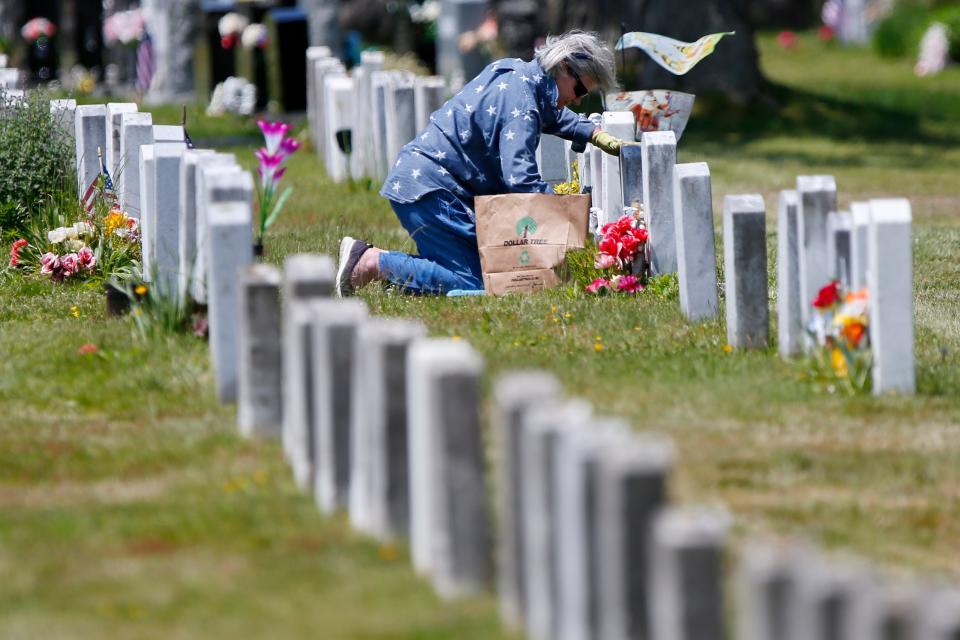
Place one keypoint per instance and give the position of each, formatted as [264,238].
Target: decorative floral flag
[674,56]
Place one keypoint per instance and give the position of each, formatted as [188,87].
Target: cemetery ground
[132,508]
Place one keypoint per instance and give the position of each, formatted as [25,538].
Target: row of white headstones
[869,246]
[387,424]
[180,197]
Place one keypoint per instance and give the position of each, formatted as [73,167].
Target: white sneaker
[350,252]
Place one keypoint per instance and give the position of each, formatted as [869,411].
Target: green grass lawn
[129,507]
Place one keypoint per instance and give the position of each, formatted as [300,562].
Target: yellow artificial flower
[839,363]
[75,311]
[598,346]
[140,290]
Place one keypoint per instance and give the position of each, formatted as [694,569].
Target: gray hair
[586,54]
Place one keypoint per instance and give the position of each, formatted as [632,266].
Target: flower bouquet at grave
[37,28]
[840,328]
[271,159]
[622,245]
[124,28]
[230,26]
[572,187]
[69,242]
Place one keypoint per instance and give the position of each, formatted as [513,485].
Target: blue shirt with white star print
[483,140]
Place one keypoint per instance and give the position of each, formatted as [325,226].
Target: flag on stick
[674,56]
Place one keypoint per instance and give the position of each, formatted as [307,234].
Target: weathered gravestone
[148,219]
[551,159]
[340,112]
[659,150]
[313,54]
[941,616]
[859,244]
[789,303]
[631,173]
[696,250]
[166,211]
[380,475]
[321,69]
[514,394]
[113,152]
[890,296]
[687,575]
[826,595]
[219,179]
[745,270]
[461,539]
[136,130]
[886,611]
[401,118]
[187,228]
[631,489]
[817,196]
[579,455]
[619,124]
[839,230]
[366,141]
[768,590]
[335,326]
[231,251]
[427,360]
[542,426]
[64,114]
[305,277]
[259,410]
[90,134]
[429,94]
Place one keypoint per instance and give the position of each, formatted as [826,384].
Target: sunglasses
[579,89]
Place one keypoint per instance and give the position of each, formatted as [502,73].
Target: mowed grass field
[129,507]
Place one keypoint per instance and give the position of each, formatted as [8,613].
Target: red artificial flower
[15,251]
[641,234]
[825,33]
[624,224]
[628,246]
[787,39]
[609,246]
[828,296]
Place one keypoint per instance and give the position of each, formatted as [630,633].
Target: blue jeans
[445,231]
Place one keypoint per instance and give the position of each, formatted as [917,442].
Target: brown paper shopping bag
[522,237]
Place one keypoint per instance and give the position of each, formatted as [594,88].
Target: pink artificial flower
[605,261]
[70,264]
[86,258]
[598,286]
[629,244]
[629,284]
[49,262]
[273,133]
[288,147]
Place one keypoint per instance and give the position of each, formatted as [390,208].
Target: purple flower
[288,147]
[273,133]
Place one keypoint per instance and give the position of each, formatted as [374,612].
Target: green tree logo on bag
[526,225]
[524,257]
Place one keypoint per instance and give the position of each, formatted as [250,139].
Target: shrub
[950,16]
[899,34]
[36,159]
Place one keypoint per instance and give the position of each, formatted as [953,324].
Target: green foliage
[36,159]
[950,16]
[898,35]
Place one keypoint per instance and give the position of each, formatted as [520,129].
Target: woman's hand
[606,142]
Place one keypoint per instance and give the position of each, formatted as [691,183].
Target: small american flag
[89,199]
[146,63]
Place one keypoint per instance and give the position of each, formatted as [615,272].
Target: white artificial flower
[83,229]
[57,236]
[75,245]
[231,24]
[253,36]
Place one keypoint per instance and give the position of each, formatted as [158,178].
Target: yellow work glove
[606,142]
